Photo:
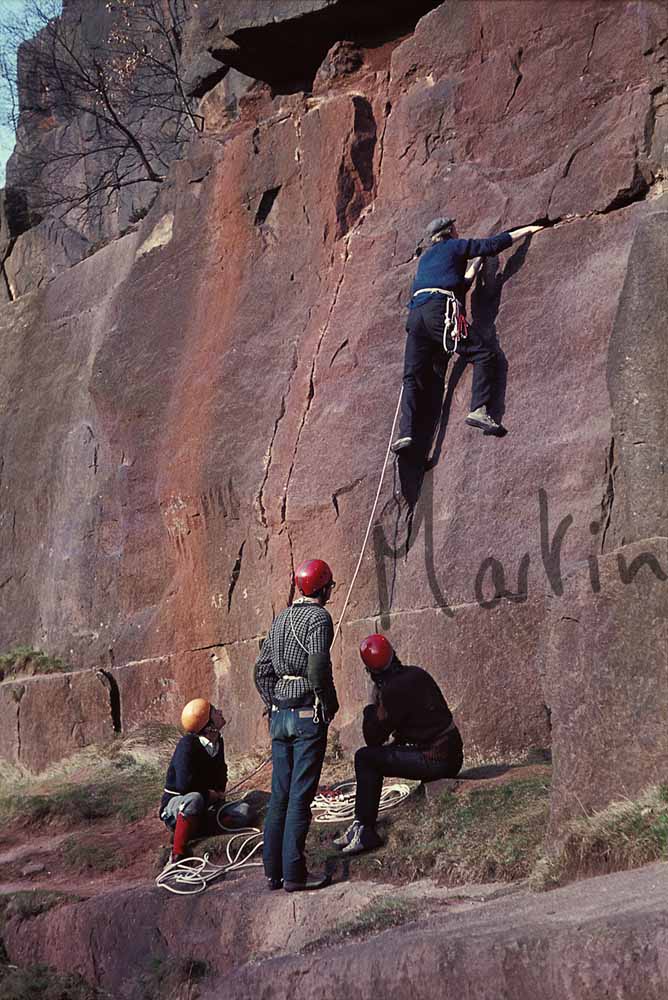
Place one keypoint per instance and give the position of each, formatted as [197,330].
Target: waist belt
[293,677]
[440,291]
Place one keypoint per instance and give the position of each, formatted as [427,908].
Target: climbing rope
[373,514]
[192,875]
[338,804]
[355,574]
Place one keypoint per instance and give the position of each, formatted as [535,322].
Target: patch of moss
[377,916]
[25,661]
[81,854]
[31,902]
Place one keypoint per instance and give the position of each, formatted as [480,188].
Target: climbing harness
[316,703]
[455,325]
[337,804]
[192,875]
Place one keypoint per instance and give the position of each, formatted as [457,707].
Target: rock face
[582,941]
[203,403]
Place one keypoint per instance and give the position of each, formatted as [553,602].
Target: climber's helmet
[376,652]
[313,578]
[197,715]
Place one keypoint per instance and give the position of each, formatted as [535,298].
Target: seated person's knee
[193,804]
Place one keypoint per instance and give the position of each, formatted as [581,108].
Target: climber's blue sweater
[191,769]
[443,265]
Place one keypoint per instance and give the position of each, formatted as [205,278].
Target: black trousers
[372,764]
[425,362]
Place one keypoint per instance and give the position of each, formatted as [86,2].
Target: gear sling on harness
[455,326]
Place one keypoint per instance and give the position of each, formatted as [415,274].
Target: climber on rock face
[436,324]
[293,675]
[409,706]
[196,778]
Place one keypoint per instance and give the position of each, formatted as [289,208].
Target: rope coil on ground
[338,806]
[192,875]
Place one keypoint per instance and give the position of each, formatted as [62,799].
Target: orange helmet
[196,715]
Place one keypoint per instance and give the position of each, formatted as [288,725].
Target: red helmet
[312,576]
[376,652]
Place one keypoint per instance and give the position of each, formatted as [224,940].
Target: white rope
[338,806]
[373,514]
[192,875]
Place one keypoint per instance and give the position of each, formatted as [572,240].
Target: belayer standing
[408,705]
[437,326]
[196,778]
[294,677]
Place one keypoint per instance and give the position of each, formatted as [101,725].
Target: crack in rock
[236,572]
[585,68]
[608,499]
[515,63]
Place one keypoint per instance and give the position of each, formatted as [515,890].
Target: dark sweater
[416,710]
[443,265]
[191,769]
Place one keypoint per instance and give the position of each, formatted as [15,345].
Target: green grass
[126,792]
[489,834]
[122,779]
[622,836]
[377,916]
[23,660]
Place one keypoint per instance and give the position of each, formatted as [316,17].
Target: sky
[7,9]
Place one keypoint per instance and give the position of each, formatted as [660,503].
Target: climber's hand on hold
[472,270]
[519,234]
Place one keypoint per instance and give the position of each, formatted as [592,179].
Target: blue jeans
[297,752]
[395,760]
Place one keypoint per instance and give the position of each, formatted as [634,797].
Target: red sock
[186,828]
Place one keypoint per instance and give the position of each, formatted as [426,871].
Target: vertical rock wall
[207,401]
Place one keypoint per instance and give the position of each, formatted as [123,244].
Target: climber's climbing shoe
[481,418]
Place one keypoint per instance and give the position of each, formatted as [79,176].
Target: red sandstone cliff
[207,400]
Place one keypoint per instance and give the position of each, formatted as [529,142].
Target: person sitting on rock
[293,675]
[408,705]
[196,778]
[436,323]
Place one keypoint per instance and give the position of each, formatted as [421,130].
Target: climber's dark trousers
[372,764]
[424,352]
